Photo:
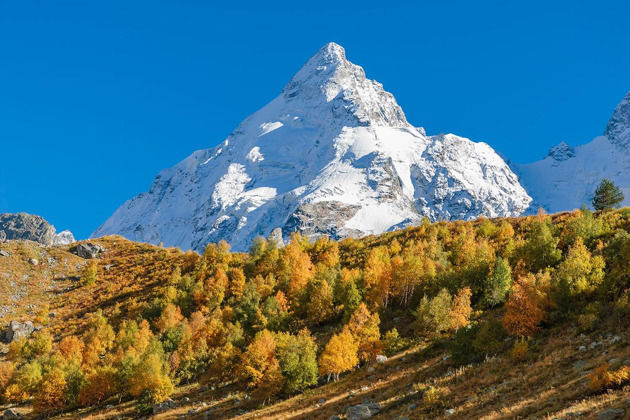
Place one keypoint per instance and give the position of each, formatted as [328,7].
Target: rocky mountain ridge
[24,226]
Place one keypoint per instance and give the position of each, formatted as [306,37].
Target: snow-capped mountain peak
[329,80]
[333,155]
[618,128]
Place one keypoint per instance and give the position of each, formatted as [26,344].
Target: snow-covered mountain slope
[332,155]
[568,176]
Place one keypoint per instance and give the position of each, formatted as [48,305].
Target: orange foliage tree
[524,309]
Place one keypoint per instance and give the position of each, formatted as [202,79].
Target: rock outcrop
[16,226]
[88,250]
[17,330]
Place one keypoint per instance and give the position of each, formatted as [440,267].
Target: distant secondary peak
[561,152]
[618,128]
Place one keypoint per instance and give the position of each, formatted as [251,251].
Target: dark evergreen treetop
[607,196]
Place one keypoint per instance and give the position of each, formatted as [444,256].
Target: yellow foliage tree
[171,317]
[320,304]
[51,395]
[259,356]
[461,309]
[100,385]
[364,327]
[151,375]
[340,355]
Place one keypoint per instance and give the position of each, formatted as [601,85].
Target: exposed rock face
[618,128]
[88,250]
[19,330]
[15,226]
[332,155]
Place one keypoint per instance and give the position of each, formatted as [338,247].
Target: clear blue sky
[97,97]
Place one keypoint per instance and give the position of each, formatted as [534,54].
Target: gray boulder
[4,253]
[10,414]
[381,358]
[362,411]
[19,330]
[88,250]
[611,414]
[164,406]
[579,365]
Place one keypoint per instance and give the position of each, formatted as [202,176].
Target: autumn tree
[524,310]
[340,355]
[171,317]
[540,249]
[237,282]
[407,271]
[498,284]
[297,356]
[260,367]
[50,395]
[89,274]
[434,315]
[364,327]
[100,385]
[580,272]
[71,349]
[377,276]
[298,268]
[319,307]
[98,338]
[150,376]
[460,309]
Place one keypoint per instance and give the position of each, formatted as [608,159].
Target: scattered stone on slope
[611,414]
[381,358]
[362,411]
[19,330]
[4,253]
[164,406]
[9,414]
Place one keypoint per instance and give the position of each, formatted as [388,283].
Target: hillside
[493,318]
